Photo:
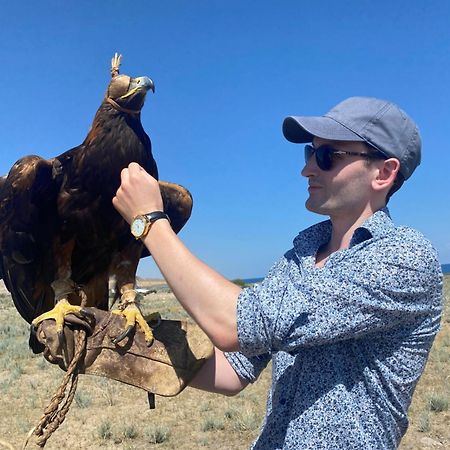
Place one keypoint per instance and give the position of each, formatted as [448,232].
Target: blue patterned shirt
[348,341]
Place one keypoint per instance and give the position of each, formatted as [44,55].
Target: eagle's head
[127,92]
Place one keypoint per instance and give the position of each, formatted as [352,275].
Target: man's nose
[310,168]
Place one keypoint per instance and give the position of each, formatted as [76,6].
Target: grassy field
[108,415]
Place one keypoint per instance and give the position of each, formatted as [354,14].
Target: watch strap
[156,215]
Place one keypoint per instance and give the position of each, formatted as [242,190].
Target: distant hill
[446,268]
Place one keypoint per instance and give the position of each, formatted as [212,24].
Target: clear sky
[226,75]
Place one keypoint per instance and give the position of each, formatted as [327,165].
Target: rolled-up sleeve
[374,286]
[248,368]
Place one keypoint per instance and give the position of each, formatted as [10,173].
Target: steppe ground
[108,415]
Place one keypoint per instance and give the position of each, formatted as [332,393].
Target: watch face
[138,227]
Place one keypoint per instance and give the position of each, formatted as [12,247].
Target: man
[347,316]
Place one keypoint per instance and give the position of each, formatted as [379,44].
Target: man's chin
[315,208]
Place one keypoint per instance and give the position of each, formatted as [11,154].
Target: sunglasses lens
[309,151]
[324,155]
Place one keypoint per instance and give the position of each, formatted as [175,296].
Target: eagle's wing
[27,225]
[177,201]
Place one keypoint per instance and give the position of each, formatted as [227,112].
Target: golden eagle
[59,232]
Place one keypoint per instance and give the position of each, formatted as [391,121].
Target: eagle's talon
[62,309]
[129,309]
[125,334]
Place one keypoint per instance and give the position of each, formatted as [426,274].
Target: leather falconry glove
[165,368]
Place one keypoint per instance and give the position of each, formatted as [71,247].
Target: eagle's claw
[123,335]
[134,317]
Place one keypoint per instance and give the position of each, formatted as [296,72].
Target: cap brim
[304,129]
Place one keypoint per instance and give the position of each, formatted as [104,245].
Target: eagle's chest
[97,171]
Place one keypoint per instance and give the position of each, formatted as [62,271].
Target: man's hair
[399,179]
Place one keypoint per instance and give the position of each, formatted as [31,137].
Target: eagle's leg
[129,308]
[65,289]
[124,268]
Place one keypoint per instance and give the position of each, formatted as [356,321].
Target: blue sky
[226,75]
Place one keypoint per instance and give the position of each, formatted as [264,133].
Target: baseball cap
[380,123]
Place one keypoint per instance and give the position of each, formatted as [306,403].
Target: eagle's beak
[138,84]
[146,82]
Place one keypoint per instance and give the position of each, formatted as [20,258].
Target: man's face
[345,190]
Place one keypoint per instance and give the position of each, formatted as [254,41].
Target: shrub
[424,423]
[246,422]
[157,435]
[104,430]
[212,424]
[438,403]
[130,432]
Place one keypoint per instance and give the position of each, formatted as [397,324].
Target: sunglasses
[325,155]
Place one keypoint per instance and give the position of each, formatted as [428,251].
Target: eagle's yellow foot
[129,308]
[61,309]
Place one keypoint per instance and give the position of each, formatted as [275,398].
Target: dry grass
[108,415]
[429,412]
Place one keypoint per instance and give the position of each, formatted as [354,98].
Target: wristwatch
[141,224]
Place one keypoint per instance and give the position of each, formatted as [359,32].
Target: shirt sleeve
[376,287]
[248,368]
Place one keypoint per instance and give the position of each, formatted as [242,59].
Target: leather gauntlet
[165,368]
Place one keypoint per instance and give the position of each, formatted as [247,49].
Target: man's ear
[387,172]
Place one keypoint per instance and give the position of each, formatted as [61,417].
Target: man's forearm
[206,295]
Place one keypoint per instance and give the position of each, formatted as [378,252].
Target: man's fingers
[138,192]
[135,168]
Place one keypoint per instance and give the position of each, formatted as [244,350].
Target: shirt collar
[378,224]
[310,239]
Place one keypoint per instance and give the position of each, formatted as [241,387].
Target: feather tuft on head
[115,64]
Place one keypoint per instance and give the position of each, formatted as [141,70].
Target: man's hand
[138,193]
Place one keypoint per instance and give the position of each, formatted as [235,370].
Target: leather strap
[156,215]
[115,105]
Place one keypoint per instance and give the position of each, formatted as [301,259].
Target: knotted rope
[59,405]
